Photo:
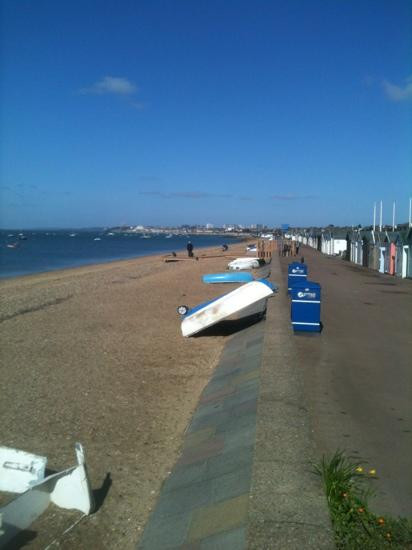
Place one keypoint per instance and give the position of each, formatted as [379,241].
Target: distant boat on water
[97,239]
[72,234]
[169,236]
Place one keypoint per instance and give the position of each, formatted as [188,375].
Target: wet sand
[95,355]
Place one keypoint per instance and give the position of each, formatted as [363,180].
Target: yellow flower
[359,469]
[372,472]
[381,521]
[388,535]
[345,495]
[361,510]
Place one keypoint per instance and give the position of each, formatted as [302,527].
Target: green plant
[347,487]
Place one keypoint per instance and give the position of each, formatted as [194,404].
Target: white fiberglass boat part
[20,470]
[237,302]
[243,264]
[68,489]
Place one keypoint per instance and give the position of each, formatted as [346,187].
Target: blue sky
[173,112]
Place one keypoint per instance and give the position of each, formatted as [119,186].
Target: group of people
[290,250]
[189,248]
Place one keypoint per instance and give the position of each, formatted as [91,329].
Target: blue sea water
[39,251]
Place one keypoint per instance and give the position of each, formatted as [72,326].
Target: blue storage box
[305,306]
[297,272]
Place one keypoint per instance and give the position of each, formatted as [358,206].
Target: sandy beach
[96,355]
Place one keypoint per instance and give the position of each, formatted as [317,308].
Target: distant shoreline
[96,264]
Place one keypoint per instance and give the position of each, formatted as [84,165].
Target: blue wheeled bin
[305,307]
[297,272]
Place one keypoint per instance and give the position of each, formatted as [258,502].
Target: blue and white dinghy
[228,277]
[246,300]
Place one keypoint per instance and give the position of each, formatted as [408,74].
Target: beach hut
[315,238]
[399,243]
[392,257]
[390,252]
[374,250]
[407,254]
[367,247]
[399,250]
[356,252]
[318,238]
[347,253]
[338,242]
[377,253]
[382,252]
[334,242]
[326,245]
[310,238]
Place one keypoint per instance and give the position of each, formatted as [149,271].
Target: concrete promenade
[244,478]
[358,373]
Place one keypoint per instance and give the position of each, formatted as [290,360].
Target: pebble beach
[95,355]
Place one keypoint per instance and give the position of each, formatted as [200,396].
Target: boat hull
[228,277]
[248,299]
[244,263]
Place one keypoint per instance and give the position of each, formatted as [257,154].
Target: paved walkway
[243,479]
[288,509]
[357,374]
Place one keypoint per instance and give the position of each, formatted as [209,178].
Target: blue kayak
[229,277]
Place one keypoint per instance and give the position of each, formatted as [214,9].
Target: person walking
[190,249]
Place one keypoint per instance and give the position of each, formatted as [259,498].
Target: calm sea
[39,251]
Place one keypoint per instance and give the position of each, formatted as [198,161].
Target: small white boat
[244,263]
[169,236]
[246,300]
[97,239]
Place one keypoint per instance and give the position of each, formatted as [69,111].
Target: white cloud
[111,85]
[398,93]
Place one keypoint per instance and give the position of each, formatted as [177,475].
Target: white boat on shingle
[243,263]
[246,300]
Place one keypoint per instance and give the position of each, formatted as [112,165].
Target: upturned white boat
[246,300]
[243,263]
